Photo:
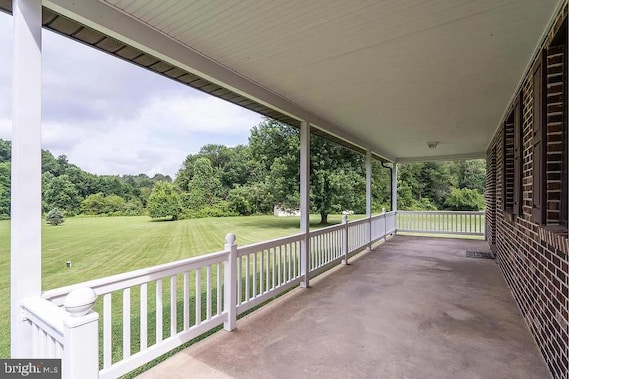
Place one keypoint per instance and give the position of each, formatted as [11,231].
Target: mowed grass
[103,246]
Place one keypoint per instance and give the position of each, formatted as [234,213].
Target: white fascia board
[453,157]
[127,29]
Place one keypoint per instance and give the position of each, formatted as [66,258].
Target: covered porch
[410,306]
[429,82]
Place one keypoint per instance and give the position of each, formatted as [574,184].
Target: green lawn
[99,247]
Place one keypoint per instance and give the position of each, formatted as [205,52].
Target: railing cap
[80,301]
[230,238]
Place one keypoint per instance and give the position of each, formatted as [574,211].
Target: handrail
[131,278]
[324,230]
[259,246]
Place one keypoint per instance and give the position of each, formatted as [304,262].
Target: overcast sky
[111,117]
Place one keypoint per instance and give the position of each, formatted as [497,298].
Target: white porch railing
[441,222]
[146,313]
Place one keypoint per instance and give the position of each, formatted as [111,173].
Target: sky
[111,117]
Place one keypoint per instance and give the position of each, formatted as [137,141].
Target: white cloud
[200,113]
[5,128]
[156,140]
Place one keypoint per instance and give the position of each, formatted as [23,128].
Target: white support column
[394,186]
[368,190]
[25,167]
[305,172]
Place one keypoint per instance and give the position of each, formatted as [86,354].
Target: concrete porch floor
[414,307]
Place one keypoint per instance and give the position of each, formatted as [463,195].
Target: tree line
[252,179]
[67,187]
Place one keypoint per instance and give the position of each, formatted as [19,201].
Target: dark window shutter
[539,141]
[505,177]
[564,210]
[517,158]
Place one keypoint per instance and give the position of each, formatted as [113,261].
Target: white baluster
[143,316]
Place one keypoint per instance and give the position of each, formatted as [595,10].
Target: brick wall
[535,258]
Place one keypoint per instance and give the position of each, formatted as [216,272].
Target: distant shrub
[421,205]
[55,217]
[164,201]
[220,209]
[465,199]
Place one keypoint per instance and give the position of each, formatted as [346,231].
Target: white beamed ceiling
[393,74]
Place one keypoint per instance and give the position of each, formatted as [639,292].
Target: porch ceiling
[386,75]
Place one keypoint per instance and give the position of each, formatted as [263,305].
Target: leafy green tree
[251,199]
[55,217]
[5,189]
[59,192]
[465,199]
[5,151]
[240,201]
[472,174]
[439,178]
[93,204]
[380,186]
[164,201]
[132,208]
[203,186]
[50,163]
[336,177]
[114,204]
[86,183]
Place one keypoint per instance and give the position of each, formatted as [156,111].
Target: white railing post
[384,220]
[345,239]
[231,282]
[80,357]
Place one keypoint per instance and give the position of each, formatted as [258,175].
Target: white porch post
[25,167]
[394,186]
[305,171]
[368,190]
